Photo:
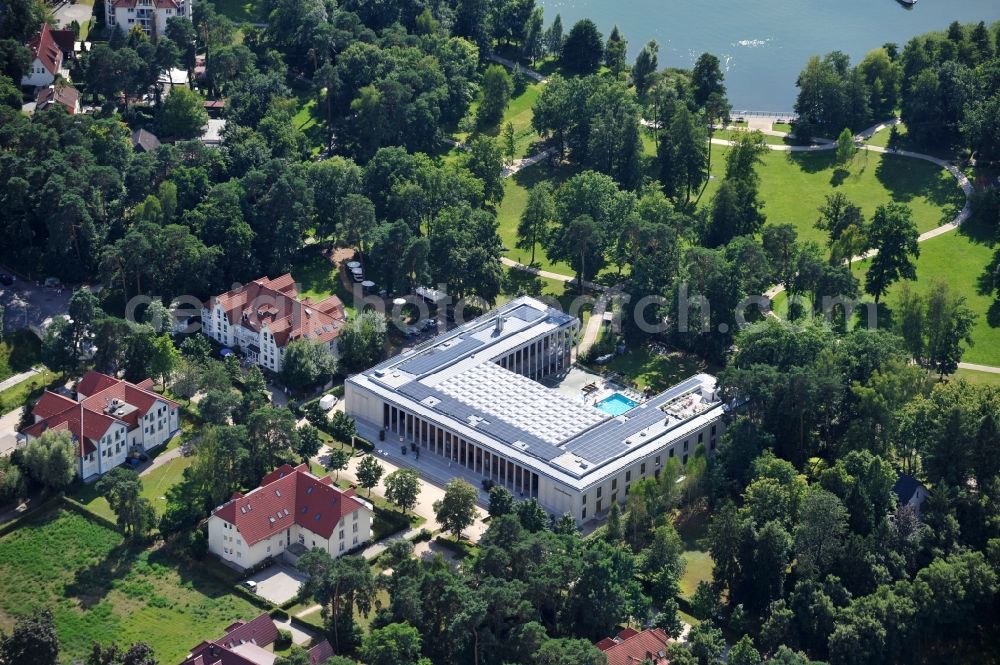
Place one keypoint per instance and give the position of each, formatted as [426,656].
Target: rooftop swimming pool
[616,404]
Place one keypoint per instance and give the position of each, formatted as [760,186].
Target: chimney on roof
[499,326]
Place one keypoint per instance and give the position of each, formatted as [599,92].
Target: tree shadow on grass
[839,176]
[92,584]
[813,162]
[194,574]
[907,178]
[979,231]
[547,169]
[522,283]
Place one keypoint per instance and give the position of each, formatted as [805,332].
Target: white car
[327,402]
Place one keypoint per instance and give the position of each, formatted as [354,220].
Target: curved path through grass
[865,135]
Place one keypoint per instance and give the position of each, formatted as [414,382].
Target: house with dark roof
[631,647]
[262,317]
[144,141]
[47,51]
[291,512]
[909,491]
[246,643]
[58,95]
[109,419]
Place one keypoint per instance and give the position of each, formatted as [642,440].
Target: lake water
[764,46]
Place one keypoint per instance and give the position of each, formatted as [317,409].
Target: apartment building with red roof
[631,647]
[291,512]
[109,419]
[246,642]
[150,15]
[262,317]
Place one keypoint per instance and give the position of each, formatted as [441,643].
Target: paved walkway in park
[434,475]
[17,378]
[764,124]
[593,329]
[525,162]
[947,227]
[510,64]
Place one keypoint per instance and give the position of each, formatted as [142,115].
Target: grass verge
[101,590]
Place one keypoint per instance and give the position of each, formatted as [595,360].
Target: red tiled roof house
[150,15]
[291,508]
[63,95]
[245,643]
[109,419]
[47,56]
[630,647]
[262,317]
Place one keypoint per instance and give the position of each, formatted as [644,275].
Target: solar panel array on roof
[434,357]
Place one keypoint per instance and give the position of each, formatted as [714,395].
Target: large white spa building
[474,396]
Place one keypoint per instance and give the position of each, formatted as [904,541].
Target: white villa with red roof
[49,48]
[262,317]
[109,419]
[150,15]
[292,509]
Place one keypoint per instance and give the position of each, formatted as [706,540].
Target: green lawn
[794,184]
[98,589]
[308,119]
[19,351]
[514,201]
[319,279]
[518,113]
[240,11]
[154,487]
[972,376]
[781,127]
[692,526]
[19,394]
[881,139]
[904,142]
[731,134]
[959,258]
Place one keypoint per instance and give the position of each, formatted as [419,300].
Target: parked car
[327,402]
[249,585]
[52,282]
[428,324]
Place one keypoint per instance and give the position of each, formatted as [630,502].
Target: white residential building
[150,15]
[262,317]
[49,50]
[109,420]
[475,396]
[292,511]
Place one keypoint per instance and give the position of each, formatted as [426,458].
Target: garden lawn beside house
[19,351]
[154,487]
[318,278]
[100,590]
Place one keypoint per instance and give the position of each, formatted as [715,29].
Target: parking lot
[278,583]
[29,304]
